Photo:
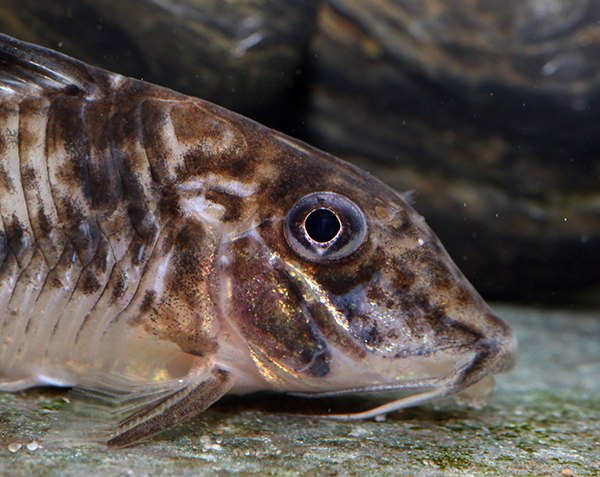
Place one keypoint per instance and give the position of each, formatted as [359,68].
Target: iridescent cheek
[267,310]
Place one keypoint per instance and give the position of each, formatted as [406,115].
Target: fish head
[340,286]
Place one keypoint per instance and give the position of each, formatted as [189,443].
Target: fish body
[166,248]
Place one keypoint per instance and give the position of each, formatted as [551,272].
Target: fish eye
[322,225]
[325,226]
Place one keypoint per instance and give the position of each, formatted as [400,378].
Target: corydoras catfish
[163,251]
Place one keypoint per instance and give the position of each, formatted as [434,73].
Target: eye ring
[325,226]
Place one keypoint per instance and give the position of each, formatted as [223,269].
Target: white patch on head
[194,202]
[203,209]
[220,184]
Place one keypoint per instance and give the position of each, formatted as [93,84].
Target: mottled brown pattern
[181,313]
[164,217]
[403,278]
[103,169]
[66,128]
[341,278]
[154,115]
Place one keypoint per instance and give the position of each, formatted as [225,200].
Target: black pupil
[322,225]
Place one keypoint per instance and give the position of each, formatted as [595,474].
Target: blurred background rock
[488,109]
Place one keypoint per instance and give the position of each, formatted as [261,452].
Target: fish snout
[504,343]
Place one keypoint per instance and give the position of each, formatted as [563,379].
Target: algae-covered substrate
[544,419]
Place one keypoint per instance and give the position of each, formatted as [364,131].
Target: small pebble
[14,447]
[32,446]
[355,433]
[566,472]
[380,418]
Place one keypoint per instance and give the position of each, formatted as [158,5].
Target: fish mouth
[490,357]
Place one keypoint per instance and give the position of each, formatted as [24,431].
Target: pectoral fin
[171,410]
[119,413]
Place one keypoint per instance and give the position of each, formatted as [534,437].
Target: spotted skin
[143,250]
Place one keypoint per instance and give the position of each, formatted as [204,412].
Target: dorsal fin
[30,70]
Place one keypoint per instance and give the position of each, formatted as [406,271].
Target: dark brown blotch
[66,128]
[54,281]
[169,207]
[190,238]
[154,117]
[422,317]
[403,277]
[376,294]
[88,282]
[104,165]
[3,141]
[319,365]
[234,205]
[240,167]
[15,237]
[197,163]
[119,288]
[29,178]
[3,247]
[72,90]
[365,329]
[188,270]
[126,125]
[148,302]
[102,256]
[340,278]
[70,211]
[44,222]
[461,334]
[414,309]
[287,183]
[6,182]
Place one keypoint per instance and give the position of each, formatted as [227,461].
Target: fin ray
[30,70]
[120,414]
